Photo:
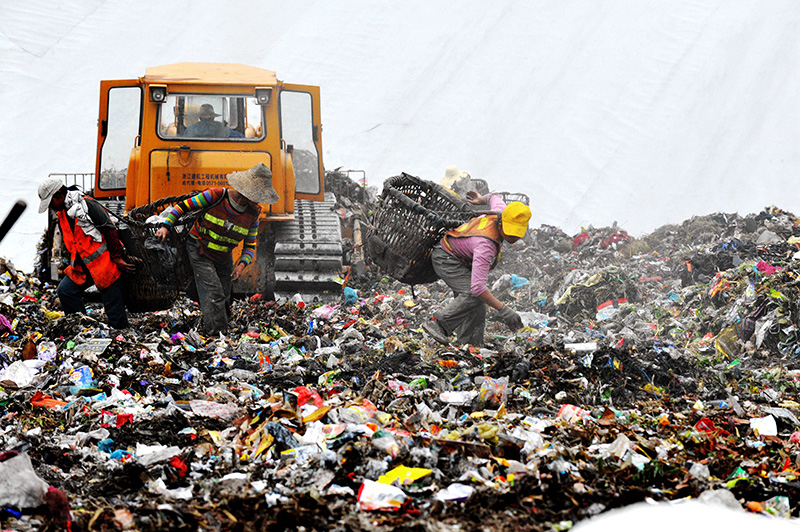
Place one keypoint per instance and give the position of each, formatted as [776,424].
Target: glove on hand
[508,316]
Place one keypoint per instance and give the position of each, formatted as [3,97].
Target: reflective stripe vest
[221,228]
[485,226]
[95,256]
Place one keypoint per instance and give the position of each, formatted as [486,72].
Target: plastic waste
[302,454]
[721,497]
[121,455]
[764,426]
[534,319]
[455,492]
[387,444]
[214,409]
[572,413]
[350,295]
[727,343]
[81,377]
[167,255]
[581,346]
[20,372]
[517,281]
[402,475]
[699,471]
[459,398]
[46,351]
[193,375]
[5,325]
[503,283]
[492,390]
[325,311]
[148,455]
[778,506]
[20,486]
[377,496]
[283,437]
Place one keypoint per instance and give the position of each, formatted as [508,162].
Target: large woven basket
[508,197]
[411,218]
[161,274]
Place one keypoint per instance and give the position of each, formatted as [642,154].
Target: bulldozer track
[308,252]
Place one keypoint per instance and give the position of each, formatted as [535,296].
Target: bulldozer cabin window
[207,116]
[297,123]
[123,126]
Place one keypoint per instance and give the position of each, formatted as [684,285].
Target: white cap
[47,190]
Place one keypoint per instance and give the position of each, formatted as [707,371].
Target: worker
[207,127]
[96,253]
[463,259]
[230,215]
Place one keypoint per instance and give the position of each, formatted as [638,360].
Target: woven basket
[479,185]
[411,218]
[160,274]
[508,197]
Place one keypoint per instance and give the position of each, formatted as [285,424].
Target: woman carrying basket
[463,260]
[229,216]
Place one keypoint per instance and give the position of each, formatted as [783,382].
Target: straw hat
[254,184]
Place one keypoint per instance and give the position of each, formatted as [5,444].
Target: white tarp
[644,113]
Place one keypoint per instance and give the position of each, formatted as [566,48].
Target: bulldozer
[148,148]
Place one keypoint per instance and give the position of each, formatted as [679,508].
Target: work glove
[508,316]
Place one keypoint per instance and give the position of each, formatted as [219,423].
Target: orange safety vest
[485,226]
[95,255]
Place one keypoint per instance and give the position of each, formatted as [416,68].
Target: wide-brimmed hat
[255,184]
[515,219]
[47,190]
[207,111]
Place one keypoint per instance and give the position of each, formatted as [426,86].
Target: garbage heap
[660,368]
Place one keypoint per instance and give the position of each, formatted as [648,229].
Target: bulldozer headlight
[263,95]
[158,93]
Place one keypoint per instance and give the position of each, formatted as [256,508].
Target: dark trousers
[213,281]
[70,294]
[465,314]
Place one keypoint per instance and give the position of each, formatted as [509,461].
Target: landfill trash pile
[660,368]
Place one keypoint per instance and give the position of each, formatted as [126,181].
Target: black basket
[162,271]
[411,218]
[479,185]
[508,197]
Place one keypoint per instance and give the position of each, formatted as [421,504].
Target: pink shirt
[478,250]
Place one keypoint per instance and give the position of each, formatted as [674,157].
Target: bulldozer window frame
[299,130]
[240,113]
[122,124]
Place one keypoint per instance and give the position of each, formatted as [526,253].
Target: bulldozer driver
[95,251]
[229,216]
[463,260]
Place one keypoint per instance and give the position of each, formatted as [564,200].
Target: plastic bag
[376,496]
[492,390]
[167,255]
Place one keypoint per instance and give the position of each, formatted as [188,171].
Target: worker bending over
[463,260]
